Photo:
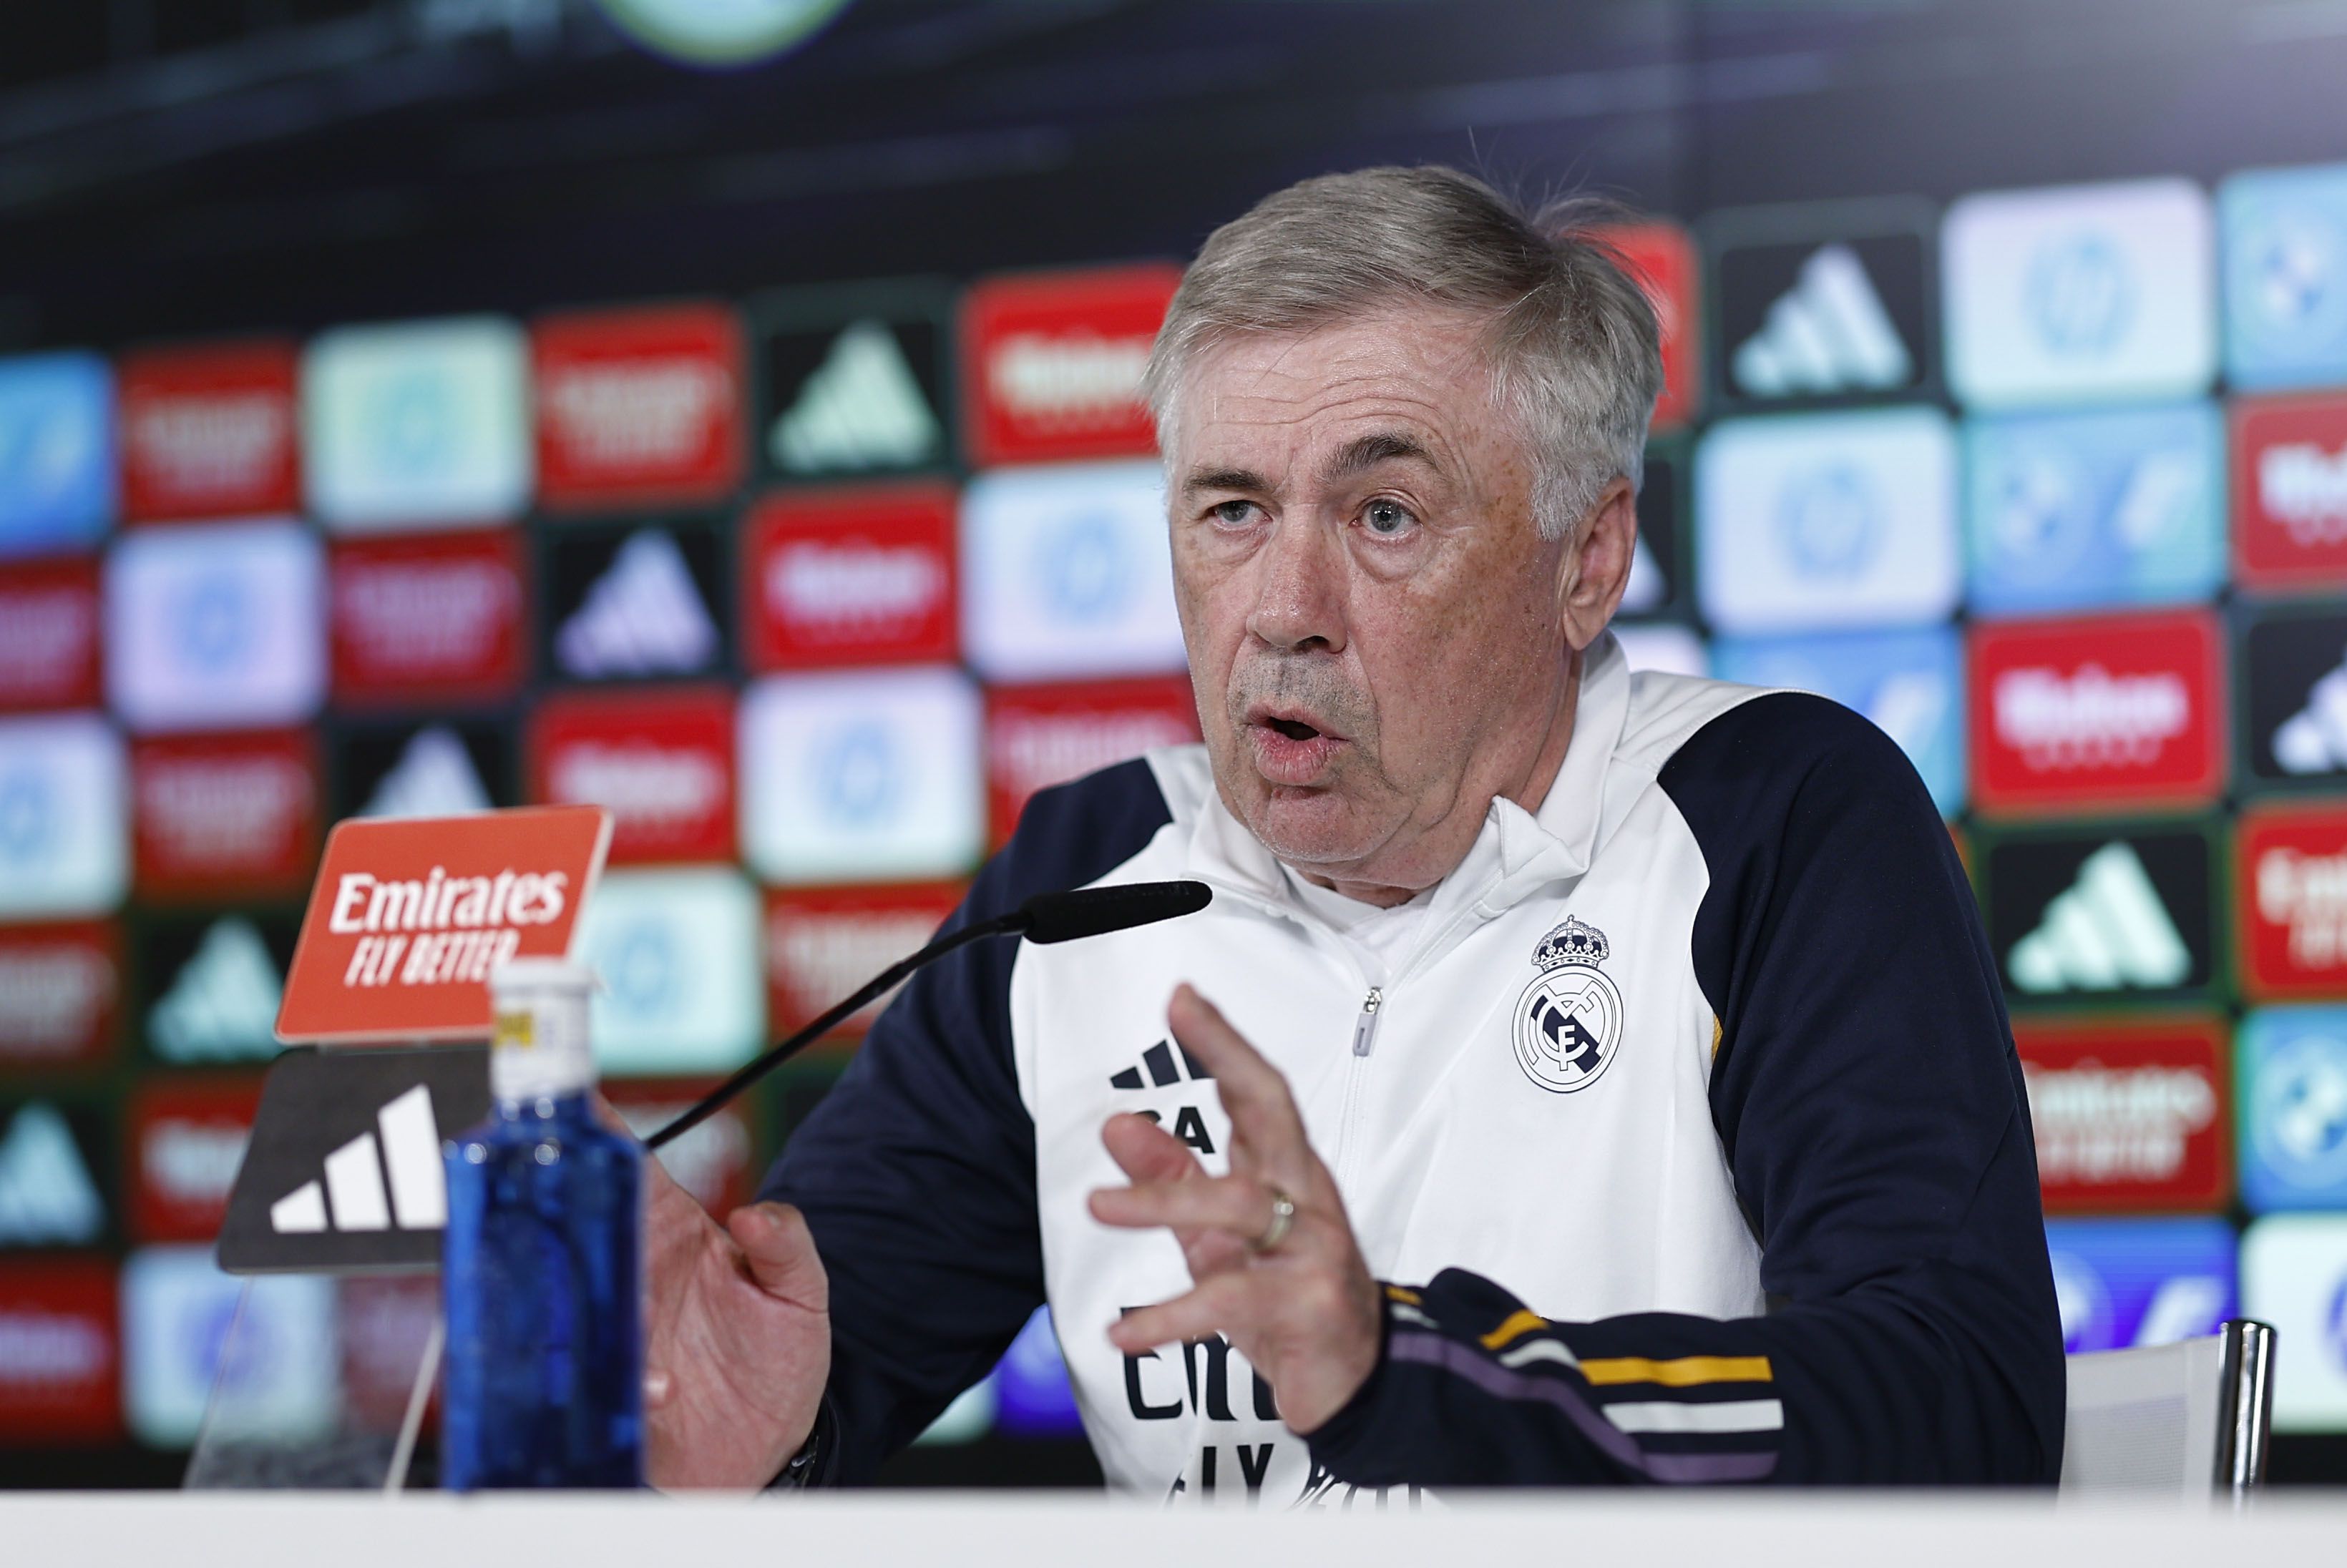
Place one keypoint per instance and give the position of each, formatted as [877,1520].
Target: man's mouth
[1291,749]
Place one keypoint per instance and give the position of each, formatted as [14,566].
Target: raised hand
[737,1338]
[1302,1309]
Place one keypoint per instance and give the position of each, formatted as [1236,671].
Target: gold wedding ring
[1283,1221]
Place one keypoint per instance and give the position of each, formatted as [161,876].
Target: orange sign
[408,917]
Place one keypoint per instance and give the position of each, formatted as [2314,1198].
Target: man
[1579,1076]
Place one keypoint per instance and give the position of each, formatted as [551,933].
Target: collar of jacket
[1515,855]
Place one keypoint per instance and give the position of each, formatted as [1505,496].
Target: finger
[1147,1151]
[1222,1305]
[778,1253]
[1240,1206]
[1255,1096]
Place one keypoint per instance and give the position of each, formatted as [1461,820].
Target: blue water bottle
[541,1267]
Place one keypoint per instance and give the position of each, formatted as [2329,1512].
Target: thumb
[778,1252]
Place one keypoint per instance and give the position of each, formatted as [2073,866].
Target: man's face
[1380,640]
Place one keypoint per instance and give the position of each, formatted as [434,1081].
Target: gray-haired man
[1605,1079]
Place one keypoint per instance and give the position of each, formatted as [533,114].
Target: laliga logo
[2090,720]
[1071,381]
[1568,1020]
[2099,1124]
[2307,893]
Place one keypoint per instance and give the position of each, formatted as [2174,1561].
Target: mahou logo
[851,576]
[224,815]
[638,406]
[824,943]
[1039,736]
[2128,1116]
[208,431]
[49,634]
[60,989]
[661,761]
[435,617]
[186,1140]
[2292,866]
[1055,363]
[2122,709]
[2289,490]
[60,1353]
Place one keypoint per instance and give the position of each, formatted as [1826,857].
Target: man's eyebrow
[1369,451]
[1239,479]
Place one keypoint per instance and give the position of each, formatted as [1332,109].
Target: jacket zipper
[1365,1039]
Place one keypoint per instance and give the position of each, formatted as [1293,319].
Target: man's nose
[1299,605]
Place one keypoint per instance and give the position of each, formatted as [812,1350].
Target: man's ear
[1597,568]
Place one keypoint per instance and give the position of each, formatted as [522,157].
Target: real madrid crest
[1568,1020]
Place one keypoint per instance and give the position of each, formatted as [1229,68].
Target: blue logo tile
[2129,1282]
[1910,683]
[2067,511]
[56,452]
[2292,1067]
[2284,242]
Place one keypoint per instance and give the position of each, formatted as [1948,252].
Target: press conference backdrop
[2030,447]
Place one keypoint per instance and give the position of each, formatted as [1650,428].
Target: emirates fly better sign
[408,917]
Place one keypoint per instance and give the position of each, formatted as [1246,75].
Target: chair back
[2185,1420]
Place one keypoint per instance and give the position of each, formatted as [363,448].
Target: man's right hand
[737,1340]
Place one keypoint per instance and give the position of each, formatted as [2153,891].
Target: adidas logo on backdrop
[223,1003]
[433,777]
[46,1196]
[2314,739]
[861,408]
[1829,333]
[2108,931]
[642,616]
[354,1177]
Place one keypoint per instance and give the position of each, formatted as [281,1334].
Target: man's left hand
[1304,1312]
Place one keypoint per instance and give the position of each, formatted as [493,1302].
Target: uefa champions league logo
[2081,294]
[860,776]
[1832,522]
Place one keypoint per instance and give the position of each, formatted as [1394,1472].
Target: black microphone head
[1091,911]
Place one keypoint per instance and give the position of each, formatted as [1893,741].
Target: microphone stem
[715,1100]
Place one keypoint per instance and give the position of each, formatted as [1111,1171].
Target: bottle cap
[540,1046]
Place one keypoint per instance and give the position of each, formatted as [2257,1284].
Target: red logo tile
[49,634]
[850,576]
[1053,361]
[225,815]
[187,1139]
[716,1162]
[1039,736]
[60,994]
[661,761]
[60,1352]
[2130,1115]
[209,431]
[1661,256]
[638,407]
[824,943]
[2117,710]
[2289,490]
[432,618]
[2290,864]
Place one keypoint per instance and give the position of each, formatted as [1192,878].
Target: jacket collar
[1516,854]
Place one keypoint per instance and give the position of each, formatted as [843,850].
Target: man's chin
[1310,828]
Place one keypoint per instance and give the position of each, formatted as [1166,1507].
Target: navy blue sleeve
[917,1173]
[1870,1102]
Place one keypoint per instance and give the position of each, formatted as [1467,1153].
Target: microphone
[1043,918]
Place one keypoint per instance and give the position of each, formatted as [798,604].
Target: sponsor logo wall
[815,588]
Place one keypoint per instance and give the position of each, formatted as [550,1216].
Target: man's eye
[1386,519]
[1233,513]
